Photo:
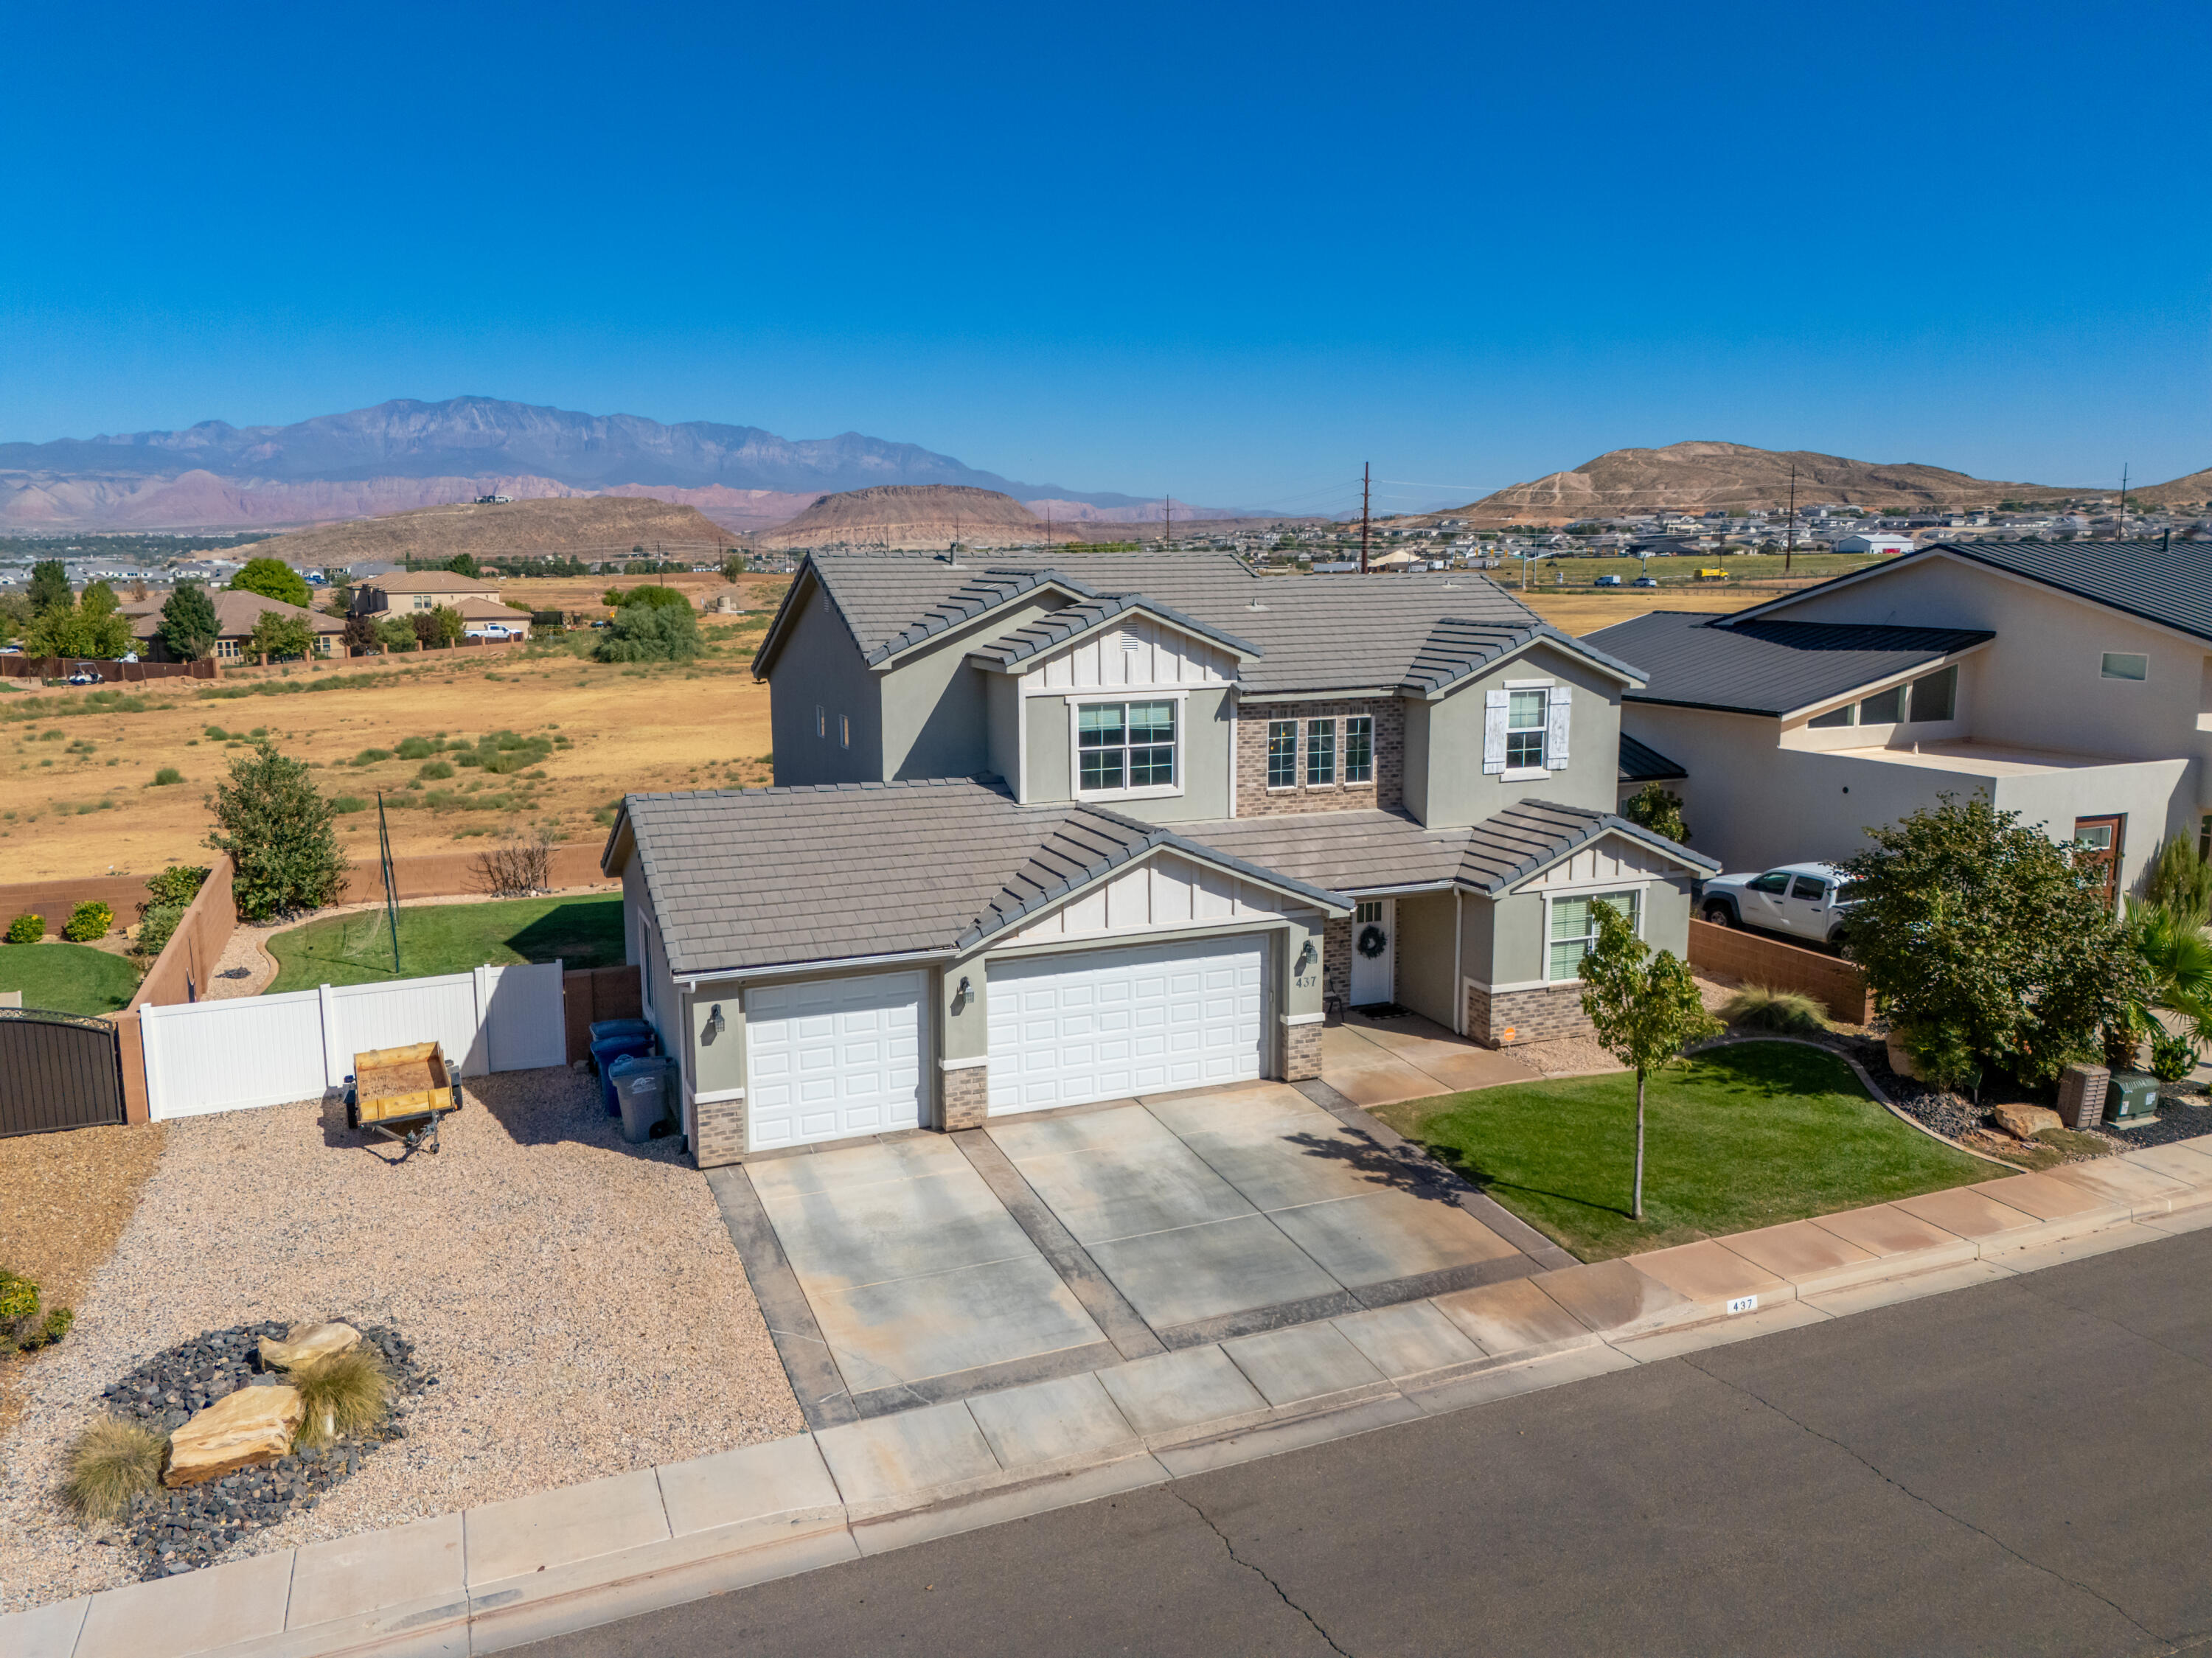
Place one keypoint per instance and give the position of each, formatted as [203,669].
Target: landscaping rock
[1900,1062]
[306,1342]
[254,1424]
[2025,1122]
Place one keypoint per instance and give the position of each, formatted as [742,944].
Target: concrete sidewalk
[509,1573]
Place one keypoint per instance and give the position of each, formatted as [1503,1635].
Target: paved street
[2022,1467]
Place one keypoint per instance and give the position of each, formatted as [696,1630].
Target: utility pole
[1167,503]
[2124,501]
[1366,477]
[1789,548]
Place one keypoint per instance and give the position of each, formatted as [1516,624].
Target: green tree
[89,630]
[644,593]
[280,834]
[1658,810]
[273,577]
[452,628]
[188,625]
[1644,1014]
[279,634]
[361,633]
[733,565]
[50,585]
[1980,934]
[462,564]
[651,633]
[395,633]
[15,617]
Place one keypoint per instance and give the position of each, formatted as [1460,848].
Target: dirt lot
[578,1299]
[1586,612]
[80,798]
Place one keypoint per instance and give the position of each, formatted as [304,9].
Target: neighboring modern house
[1076,826]
[420,590]
[2071,683]
[235,615]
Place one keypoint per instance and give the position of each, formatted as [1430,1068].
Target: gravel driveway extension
[579,1299]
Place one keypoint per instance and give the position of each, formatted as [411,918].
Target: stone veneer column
[966,1096]
[721,1136]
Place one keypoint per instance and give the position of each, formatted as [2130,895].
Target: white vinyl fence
[268,1050]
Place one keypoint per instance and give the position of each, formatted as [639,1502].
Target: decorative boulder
[2025,1122]
[1900,1062]
[306,1342]
[254,1424]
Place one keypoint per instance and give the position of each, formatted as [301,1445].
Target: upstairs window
[1524,730]
[1359,750]
[1935,695]
[2124,664]
[1282,754]
[1320,754]
[1125,746]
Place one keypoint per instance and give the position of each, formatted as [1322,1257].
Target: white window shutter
[1558,717]
[1494,705]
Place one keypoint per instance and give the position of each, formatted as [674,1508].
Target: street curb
[584,1556]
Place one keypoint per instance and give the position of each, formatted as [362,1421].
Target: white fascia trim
[1525,774]
[1395,892]
[1531,684]
[1118,692]
[963,1065]
[1303,1019]
[804,970]
[1229,927]
[718,1097]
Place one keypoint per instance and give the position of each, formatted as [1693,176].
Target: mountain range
[405,454]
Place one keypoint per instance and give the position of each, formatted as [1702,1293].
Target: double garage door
[836,1058]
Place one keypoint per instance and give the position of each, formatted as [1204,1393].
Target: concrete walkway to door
[925,1268]
[1380,1062]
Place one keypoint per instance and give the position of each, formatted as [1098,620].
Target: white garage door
[832,1057]
[1110,1023]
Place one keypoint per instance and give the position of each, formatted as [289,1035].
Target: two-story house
[2069,682]
[1092,825]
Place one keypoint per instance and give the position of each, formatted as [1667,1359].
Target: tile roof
[1311,633]
[235,613]
[2170,585]
[1050,632]
[1641,763]
[1513,844]
[1770,665]
[429,581]
[761,878]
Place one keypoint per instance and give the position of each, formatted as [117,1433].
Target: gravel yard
[579,1299]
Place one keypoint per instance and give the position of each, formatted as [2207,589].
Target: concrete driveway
[1382,1061]
[926,1266]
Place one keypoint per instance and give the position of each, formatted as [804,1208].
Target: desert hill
[2191,490]
[589,527]
[915,515]
[1704,474]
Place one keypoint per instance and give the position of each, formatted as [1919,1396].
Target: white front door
[829,1059]
[1104,1025]
[1375,952]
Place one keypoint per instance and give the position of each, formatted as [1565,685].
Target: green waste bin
[2130,1097]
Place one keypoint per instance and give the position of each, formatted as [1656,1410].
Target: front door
[2098,844]
[1375,952]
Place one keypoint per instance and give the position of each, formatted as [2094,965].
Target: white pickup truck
[1807,900]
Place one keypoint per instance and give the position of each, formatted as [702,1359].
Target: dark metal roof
[1641,763]
[1773,665]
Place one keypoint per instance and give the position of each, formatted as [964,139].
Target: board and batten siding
[1137,651]
[1165,890]
[1613,859]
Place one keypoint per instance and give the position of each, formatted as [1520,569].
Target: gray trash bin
[642,1083]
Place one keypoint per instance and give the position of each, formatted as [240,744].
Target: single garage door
[1107,1024]
[832,1057]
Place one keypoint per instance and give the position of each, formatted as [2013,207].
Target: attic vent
[1127,639]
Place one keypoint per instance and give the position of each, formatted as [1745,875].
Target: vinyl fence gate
[58,1071]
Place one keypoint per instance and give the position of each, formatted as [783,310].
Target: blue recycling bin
[603,1029]
[607,1051]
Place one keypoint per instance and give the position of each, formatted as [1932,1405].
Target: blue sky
[1228,252]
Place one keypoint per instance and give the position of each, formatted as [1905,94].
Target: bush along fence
[1757,961]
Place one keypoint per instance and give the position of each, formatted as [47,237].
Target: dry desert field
[77,767]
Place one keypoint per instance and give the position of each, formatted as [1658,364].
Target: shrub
[277,830]
[27,929]
[346,1393]
[2172,1056]
[1657,809]
[415,747]
[370,757]
[165,776]
[651,633]
[1763,1008]
[178,884]
[156,927]
[517,866]
[347,804]
[435,771]
[24,1327]
[111,1463]
[89,920]
[665,597]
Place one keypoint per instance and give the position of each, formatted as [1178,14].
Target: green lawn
[65,978]
[356,950]
[1742,1136]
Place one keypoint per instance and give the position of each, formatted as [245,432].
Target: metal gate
[58,1071]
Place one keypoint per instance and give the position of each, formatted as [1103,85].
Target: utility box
[2081,1091]
[2131,1097]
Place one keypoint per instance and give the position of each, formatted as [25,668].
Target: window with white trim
[1125,746]
[1282,754]
[1526,716]
[1320,754]
[1360,749]
[1574,928]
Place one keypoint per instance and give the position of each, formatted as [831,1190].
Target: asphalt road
[2022,1467]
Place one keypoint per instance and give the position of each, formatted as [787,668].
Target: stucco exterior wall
[1385,790]
[1425,953]
[818,666]
[1002,703]
[1445,783]
[936,718]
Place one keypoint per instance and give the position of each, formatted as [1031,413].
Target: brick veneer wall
[967,1097]
[1255,799]
[721,1133]
[1336,960]
[1543,1014]
[1301,1052]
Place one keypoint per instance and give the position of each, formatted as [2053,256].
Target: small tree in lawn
[276,634]
[1644,1014]
[279,833]
[188,625]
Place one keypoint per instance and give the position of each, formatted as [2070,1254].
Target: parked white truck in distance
[1807,900]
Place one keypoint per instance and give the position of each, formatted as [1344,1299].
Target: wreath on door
[1372,941]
